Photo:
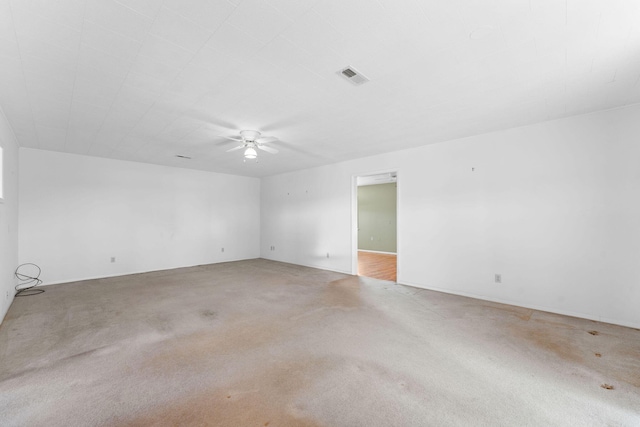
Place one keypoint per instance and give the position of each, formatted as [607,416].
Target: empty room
[319,213]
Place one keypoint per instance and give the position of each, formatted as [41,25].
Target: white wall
[77,212]
[306,215]
[8,216]
[553,207]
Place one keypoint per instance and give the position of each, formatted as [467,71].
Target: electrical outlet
[113,259]
[327,254]
[498,278]
[222,250]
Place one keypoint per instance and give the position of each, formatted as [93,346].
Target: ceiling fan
[251,140]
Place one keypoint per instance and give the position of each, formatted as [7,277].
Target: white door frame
[354,218]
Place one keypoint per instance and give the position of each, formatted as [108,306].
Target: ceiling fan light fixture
[250,153]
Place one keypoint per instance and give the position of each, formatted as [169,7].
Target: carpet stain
[15,375]
[550,342]
[343,293]
[553,324]
[206,410]
[401,382]
[201,345]
[163,323]
[209,314]
[520,313]
[269,393]
[84,353]
[623,361]
[232,337]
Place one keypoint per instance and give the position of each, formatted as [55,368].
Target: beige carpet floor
[261,343]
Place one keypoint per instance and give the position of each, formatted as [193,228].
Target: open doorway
[376,224]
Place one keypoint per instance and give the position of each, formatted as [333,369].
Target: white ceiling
[146,80]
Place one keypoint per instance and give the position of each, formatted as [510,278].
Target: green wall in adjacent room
[377,217]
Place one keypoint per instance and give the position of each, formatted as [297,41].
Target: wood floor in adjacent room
[262,343]
[377,265]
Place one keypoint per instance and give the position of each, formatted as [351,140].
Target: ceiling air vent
[353,76]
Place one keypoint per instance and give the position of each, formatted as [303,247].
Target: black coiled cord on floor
[27,282]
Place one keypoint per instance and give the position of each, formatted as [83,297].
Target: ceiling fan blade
[233,139]
[265,139]
[239,147]
[267,149]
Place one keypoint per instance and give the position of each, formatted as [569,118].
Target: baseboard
[327,269]
[310,266]
[107,276]
[378,252]
[530,306]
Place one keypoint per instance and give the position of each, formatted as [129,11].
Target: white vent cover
[352,75]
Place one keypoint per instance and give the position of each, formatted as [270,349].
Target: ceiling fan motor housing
[249,135]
